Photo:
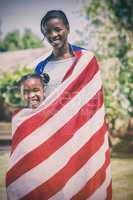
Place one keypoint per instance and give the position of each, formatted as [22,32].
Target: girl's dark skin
[56,33]
[32,91]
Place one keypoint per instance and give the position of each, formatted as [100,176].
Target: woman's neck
[63,53]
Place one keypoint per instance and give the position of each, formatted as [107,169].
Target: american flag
[60,150]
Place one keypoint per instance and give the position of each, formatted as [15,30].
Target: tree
[10,91]
[30,40]
[14,41]
[109,26]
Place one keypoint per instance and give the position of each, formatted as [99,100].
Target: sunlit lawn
[3,167]
[122,172]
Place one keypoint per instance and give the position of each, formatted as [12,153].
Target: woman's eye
[50,31]
[47,32]
[58,29]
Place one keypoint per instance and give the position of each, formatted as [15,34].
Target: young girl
[33,89]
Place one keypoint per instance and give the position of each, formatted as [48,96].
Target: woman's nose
[54,33]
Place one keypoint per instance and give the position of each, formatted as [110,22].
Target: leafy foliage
[9,91]
[14,41]
[110,27]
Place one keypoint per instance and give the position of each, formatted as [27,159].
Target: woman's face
[56,33]
[32,92]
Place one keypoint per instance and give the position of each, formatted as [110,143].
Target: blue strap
[40,67]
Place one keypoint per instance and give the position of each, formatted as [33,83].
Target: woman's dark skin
[56,33]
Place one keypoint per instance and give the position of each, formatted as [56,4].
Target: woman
[55,28]
[60,150]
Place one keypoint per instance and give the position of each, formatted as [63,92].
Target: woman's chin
[57,45]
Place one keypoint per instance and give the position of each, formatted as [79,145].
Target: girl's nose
[31,94]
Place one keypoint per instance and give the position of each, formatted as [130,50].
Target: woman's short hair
[54,14]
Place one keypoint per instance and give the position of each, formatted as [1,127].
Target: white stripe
[101,192]
[80,179]
[27,113]
[48,167]
[20,117]
[57,121]
[79,66]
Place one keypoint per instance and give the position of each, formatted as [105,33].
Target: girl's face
[56,33]
[32,92]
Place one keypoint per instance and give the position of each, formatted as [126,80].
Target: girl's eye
[25,91]
[35,89]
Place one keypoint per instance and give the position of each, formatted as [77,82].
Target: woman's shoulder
[76,48]
[41,65]
[82,49]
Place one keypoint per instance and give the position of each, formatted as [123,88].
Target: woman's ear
[68,28]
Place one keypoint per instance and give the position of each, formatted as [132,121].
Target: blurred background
[104,27]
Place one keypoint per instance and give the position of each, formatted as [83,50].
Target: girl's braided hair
[44,78]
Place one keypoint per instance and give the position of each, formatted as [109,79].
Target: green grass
[122,174]
[3,168]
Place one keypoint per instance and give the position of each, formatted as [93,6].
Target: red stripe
[95,182]
[69,72]
[109,191]
[30,125]
[54,184]
[16,111]
[59,138]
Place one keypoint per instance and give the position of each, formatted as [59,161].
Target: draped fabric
[60,150]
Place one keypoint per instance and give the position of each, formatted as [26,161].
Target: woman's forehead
[54,22]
